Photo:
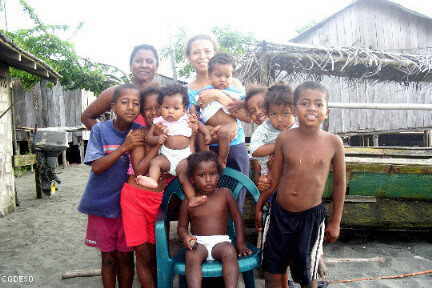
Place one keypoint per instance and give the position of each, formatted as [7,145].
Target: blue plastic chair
[168,267]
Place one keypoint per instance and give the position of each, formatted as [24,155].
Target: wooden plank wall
[379,26]
[55,107]
[366,120]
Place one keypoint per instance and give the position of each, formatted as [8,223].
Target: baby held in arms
[178,139]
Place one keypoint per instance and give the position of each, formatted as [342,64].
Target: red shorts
[139,211]
[106,234]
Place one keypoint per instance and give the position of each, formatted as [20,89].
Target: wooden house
[13,56]
[387,188]
[45,105]
[374,28]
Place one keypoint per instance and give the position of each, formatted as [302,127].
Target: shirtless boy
[303,157]
[209,239]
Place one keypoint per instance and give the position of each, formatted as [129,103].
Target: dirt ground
[44,238]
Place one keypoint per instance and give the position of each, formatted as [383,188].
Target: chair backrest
[231,179]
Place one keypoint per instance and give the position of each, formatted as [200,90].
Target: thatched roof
[267,62]
[16,57]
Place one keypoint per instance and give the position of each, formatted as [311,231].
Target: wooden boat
[388,188]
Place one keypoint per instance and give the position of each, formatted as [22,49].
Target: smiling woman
[144,62]
[199,50]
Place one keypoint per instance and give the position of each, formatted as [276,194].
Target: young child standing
[209,239]
[107,153]
[303,157]
[139,206]
[214,114]
[278,106]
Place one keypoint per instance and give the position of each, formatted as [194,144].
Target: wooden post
[37,181]
[427,138]
[15,144]
[81,150]
[375,140]
[29,145]
[64,159]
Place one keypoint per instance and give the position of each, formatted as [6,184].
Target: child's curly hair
[172,90]
[278,94]
[194,159]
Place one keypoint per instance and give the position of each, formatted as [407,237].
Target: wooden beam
[81,273]
[381,106]
[24,160]
[354,260]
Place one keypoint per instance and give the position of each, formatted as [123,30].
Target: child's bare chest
[308,156]
[213,208]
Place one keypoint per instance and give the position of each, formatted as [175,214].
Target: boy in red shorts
[107,153]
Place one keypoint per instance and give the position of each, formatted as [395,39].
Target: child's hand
[243,251]
[332,232]
[214,131]
[160,129]
[193,122]
[162,138]
[133,139]
[264,183]
[235,106]
[189,242]
[207,138]
[258,217]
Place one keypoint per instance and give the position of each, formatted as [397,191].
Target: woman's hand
[210,95]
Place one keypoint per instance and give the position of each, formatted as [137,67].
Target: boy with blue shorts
[107,152]
[302,161]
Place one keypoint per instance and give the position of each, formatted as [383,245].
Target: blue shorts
[294,239]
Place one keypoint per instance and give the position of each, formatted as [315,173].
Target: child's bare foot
[146,181]
[322,268]
[197,200]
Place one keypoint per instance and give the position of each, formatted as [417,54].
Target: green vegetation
[43,41]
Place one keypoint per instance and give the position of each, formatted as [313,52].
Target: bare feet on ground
[322,268]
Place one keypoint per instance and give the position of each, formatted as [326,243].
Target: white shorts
[210,109]
[174,156]
[210,241]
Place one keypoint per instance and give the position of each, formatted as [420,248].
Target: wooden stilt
[375,140]
[427,138]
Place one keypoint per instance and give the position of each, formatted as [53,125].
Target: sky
[112,28]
